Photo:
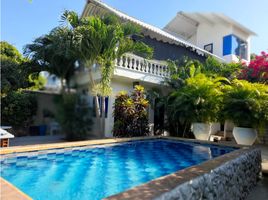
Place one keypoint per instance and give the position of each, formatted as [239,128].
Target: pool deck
[8,191]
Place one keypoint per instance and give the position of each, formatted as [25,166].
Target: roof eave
[162,34]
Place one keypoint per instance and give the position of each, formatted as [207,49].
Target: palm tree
[54,52]
[182,69]
[101,41]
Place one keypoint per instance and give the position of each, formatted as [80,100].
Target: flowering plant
[257,70]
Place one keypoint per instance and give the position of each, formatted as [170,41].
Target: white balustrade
[137,63]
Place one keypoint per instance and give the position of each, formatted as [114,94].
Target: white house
[214,32]
[185,35]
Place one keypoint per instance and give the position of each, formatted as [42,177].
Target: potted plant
[198,102]
[243,104]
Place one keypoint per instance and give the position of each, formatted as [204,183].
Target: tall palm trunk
[97,106]
[103,116]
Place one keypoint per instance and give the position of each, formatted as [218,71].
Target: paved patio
[260,192]
[33,140]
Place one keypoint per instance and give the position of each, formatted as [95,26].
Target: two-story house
[194,35]
[213,32]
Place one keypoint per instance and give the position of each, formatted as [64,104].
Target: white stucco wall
[214,33]
[207,34]
[193,39]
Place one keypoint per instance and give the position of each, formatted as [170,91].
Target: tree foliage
[10,51]
[55,53]
[213,67]
[182,69]
[100,41]
[18,109]
[17,74]
[16,70]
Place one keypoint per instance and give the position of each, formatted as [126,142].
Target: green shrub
[199,100]
[18,109]
[130,114]
[74,116]
[246,103]
[214,68]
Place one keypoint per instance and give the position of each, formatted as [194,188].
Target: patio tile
[10,192]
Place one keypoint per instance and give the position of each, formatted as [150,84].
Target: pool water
[95,173]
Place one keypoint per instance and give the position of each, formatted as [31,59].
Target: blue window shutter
[227,45]
[106,106]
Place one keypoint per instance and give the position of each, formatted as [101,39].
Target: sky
[24,20]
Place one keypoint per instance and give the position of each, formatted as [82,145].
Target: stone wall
[231,180]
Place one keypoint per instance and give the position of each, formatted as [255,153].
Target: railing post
[133,60]
[126,63]
[138,64]
[120,63]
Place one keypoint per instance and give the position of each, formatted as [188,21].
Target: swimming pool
[102,171]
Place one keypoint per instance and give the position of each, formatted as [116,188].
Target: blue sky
[24,20]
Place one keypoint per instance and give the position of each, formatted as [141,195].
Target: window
[209,47]
[236,46]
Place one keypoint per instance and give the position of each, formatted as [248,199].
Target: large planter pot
[244,136]
[201,131]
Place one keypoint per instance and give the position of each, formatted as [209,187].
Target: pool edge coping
[39,147]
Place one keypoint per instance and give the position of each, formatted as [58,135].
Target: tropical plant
[257,69]
[54,52]
[101,41]
[215,68]
[123,109]
[130,114]
[182,69]
[245,104]
[197,101]
[74,116]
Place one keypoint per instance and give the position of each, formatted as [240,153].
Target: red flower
[257,70]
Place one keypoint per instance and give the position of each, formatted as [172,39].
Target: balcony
[132,67]
[139,68]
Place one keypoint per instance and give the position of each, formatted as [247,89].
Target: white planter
[201,131]
[228,129]
[215,128]
[244,136]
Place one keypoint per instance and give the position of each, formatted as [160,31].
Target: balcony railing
[140,64]
[129,66]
